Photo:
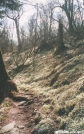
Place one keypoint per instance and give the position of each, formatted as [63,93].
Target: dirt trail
[23,114]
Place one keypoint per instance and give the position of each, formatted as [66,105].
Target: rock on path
[7,128]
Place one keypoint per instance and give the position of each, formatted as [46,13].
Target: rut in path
[23,114]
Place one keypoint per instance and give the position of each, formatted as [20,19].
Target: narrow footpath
[20,116]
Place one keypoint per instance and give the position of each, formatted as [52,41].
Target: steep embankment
[60,81]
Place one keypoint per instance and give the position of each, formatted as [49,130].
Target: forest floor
[54,86]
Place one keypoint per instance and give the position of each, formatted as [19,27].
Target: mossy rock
[44,127]
[61,111]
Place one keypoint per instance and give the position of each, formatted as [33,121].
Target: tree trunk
[50,27]
[61,46]
[18,34]
[6,84]
[70,27]
[68,8]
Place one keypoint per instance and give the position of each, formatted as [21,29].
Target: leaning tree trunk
[6,84]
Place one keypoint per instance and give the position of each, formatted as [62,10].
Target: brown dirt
[24,114]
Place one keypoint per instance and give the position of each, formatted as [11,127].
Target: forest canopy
[42,28]
[6,5]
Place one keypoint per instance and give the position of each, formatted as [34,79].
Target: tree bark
[6,84]
[68,8]
[18,34]
[61,47]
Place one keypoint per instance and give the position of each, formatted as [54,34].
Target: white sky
[40,1]
[29,11]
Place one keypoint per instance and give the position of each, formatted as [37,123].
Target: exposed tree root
[18,98]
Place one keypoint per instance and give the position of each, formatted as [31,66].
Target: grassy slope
[60,81]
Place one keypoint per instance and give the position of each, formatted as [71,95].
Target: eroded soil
[23,114]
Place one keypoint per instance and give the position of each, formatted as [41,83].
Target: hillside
[58,82]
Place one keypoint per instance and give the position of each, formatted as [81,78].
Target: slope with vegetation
[59,81]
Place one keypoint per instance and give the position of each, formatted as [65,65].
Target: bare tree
[16,15]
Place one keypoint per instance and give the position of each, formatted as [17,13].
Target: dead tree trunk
[6,84]
[61,47]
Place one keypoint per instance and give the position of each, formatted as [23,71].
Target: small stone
[20,127]
[14,131]
[21,103]
[7,128]
[2,110]
[61,132]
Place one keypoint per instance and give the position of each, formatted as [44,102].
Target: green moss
[64,110]
[81,89]
[62,125]
[45,127]
[66,82]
